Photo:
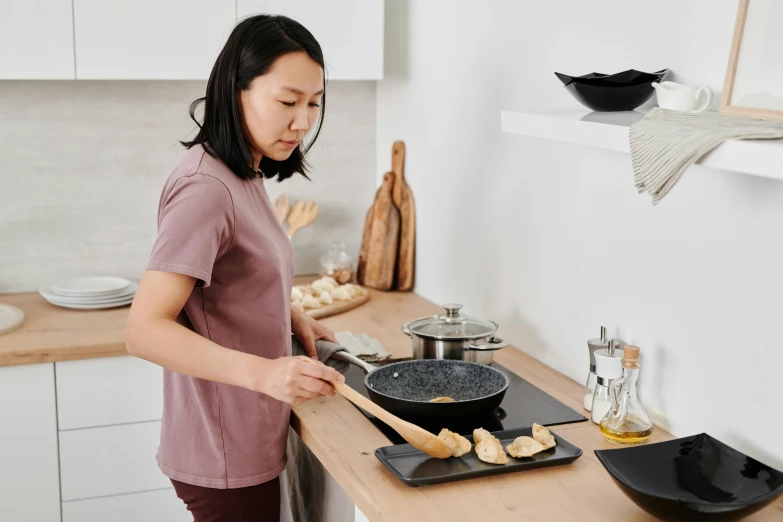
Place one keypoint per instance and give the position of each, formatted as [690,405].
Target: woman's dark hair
[251,50]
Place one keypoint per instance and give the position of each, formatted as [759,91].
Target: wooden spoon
[282,207]
[417,437]
[301,215]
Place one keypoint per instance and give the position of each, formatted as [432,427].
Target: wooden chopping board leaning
[403,199]
[386,257]
[378,253]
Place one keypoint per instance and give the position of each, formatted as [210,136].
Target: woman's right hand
[295,380]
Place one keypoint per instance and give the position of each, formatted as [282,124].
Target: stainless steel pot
[453,336]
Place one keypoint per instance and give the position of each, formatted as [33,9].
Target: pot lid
[452,325]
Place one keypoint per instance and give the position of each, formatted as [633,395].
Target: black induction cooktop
[522,405]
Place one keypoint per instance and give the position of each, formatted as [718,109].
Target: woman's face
[281,106]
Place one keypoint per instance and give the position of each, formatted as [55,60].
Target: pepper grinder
[608,366]
[592,346]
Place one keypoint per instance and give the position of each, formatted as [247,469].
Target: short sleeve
[195,227]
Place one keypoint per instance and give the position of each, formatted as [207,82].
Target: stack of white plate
[90,293]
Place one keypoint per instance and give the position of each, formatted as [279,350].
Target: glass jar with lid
[337,264]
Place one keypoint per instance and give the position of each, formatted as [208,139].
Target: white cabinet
[110,461]
[29,480]
[111,390]
[150,506]
[150,39]
[36,40]
[350,32]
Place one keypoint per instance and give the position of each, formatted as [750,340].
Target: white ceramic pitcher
[678,97]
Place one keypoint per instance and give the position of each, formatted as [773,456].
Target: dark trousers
[259,503]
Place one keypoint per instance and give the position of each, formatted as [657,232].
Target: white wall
[82,164]
[551,240]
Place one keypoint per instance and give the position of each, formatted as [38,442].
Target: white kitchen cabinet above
[350,32]
[150,39]
[172,39]
[36,40]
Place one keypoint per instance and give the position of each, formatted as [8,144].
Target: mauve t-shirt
[223,231]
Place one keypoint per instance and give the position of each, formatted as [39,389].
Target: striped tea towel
[665,143]
[362,346]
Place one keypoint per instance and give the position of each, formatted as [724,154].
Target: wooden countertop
[344,440]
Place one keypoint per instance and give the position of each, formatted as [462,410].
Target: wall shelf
[609,131]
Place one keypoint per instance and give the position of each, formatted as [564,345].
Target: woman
[213,307]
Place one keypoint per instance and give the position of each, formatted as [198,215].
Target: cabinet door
[350,32]
[131,390]
[113,460]
[149,506]
[29,476]
[150,39]
[36,40]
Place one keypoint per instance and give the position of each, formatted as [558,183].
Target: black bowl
[624,91]
[692,479]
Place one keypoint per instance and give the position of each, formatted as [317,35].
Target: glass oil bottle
[627,421]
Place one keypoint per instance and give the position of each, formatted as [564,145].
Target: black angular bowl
[624,91]
[692,479]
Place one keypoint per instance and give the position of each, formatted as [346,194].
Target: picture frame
[753,86]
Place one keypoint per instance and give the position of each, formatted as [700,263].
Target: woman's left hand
[308,330]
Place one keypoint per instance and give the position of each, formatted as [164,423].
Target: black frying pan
[405,388]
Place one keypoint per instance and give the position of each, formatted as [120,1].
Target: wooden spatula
[301,215]
[417,437]
[282,207]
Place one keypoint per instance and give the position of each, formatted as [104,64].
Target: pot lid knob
[452,312]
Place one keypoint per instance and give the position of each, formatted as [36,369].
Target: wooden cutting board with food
[325,297]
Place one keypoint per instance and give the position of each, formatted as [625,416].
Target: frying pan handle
[494,343]
[343,355]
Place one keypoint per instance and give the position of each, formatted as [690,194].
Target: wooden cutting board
[338,307]
[403,199]
[380,242]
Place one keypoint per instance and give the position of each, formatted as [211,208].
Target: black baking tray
[416,469]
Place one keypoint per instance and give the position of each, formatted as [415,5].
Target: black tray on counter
[415,468]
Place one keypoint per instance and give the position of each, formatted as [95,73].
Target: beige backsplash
[82,165]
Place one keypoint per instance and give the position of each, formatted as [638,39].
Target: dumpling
[341,294]
[524,447]
[306,290]
[354,290]
[296,294]
[311,302]
[480,435]
[491,451]
[459,445]
[298,305]
[543,436]
[325,298]
[325,284]
[441,399]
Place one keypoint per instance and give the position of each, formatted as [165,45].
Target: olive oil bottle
[627,421]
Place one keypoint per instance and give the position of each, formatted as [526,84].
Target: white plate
[90,286]
[99,306]
[11,318]
[50,295]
